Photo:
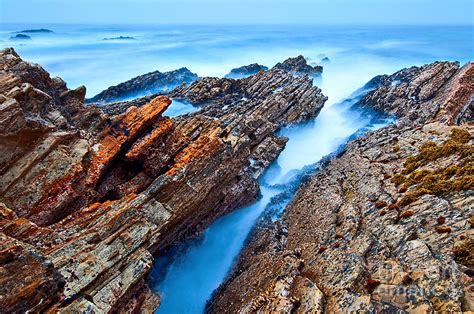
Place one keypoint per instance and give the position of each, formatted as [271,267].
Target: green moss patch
[455,177]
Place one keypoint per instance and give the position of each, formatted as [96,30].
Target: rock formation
[295,66]
[386,227]
[87,199]
[147,84]
[246,71]
[119,107]
[20,37]
[298,66]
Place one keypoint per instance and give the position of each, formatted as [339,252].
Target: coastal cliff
[87,199]
[387,226]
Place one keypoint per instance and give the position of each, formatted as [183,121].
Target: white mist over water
[187,276]
[79,55]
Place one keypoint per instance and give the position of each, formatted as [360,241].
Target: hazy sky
[238,11]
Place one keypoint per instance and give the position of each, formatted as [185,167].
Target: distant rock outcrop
[36,31]
[325,60]
[147,84]
[246,71]
[20,37]
[298,66]
[120,38]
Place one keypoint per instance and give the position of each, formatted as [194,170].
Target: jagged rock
[246,71]
[28,282]
[120,107]
[147,84]
[298,66]
[414,94]
[96,197]
[44,137]
[367,226]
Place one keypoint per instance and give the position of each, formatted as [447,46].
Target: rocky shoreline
[88,198]
[142,89]
[90,194]
[385,227]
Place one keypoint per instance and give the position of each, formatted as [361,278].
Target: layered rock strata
[295,66]
[386,227]
[87,199]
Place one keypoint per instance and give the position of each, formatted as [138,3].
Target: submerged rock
[20,37]
[88,199]
[325,60]
[381,227]
[147,84]
[298,66]
[245,71]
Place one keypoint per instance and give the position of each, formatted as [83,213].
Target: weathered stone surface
[146,84]
[385,227]
[44,138]
[28,282]
[419,94]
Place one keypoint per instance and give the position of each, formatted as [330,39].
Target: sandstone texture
[87,199]
[387,226]
[146,84]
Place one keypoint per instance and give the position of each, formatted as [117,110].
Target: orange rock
[125,129]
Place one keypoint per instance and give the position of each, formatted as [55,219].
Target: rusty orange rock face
[164,127]
[125,129]
[204,146]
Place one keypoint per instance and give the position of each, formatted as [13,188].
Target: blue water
[190,272]
[180,107]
